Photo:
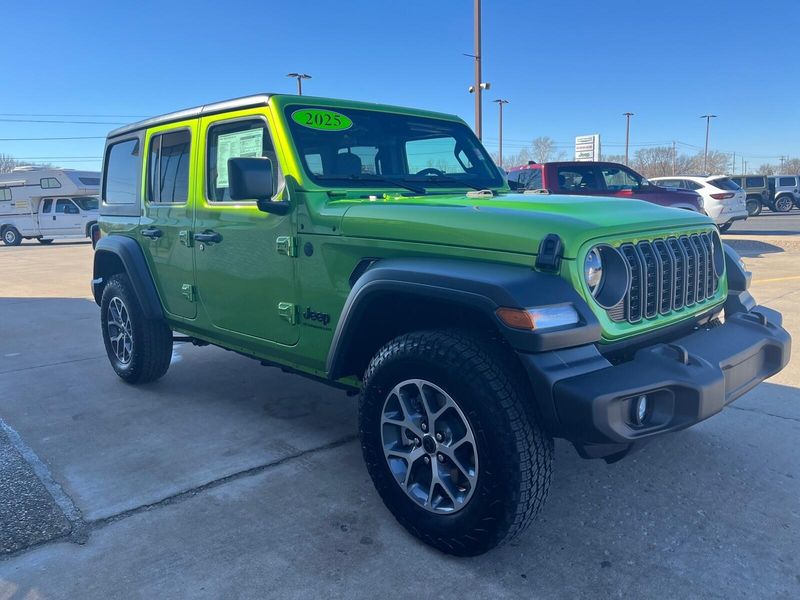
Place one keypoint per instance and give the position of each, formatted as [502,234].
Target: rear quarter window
[724,183]
[786,181]
[121,181]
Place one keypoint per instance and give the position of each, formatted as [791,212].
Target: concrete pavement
[227,479]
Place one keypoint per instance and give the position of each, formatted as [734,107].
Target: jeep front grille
[666,275]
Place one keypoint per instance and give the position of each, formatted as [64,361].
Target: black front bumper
[589,401]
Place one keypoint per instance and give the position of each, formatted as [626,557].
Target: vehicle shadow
[752,247]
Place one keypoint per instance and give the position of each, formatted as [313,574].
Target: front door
[59,216]
[244,268]
[164,230]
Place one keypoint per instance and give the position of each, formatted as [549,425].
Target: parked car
[599,179]
[42,203]
[785,192]
[724,201]
[378,249]
[756,188]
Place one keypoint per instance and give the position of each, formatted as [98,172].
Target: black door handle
[152,233]
[208,237]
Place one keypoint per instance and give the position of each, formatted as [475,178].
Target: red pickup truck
[599,179]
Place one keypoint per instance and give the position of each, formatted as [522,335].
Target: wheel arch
[395,296]
[121,254]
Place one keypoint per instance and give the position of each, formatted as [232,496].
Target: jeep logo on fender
[311,315]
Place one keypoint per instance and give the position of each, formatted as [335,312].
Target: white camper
[42,203]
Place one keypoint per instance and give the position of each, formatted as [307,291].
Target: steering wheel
[429,171]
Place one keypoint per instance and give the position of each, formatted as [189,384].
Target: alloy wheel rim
[9,236]
[120,331]
[429,446]
[784,205]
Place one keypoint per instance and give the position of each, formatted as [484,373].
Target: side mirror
[251,179]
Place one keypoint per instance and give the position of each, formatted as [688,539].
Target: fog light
[640,406]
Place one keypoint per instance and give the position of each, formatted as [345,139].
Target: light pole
[708,129]
[299,77]
[627,116]
[500,103]
[480,86]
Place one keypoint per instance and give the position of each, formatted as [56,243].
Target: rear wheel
[451,441]
[784,204]
[753,207]
[139,349]
[11,237]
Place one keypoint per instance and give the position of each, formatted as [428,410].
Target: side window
[577,179]
[122,168]
[5,194]
[737,181]
[168,167]
[534,179]
[692,185]
[786,181]
[246,138]
[66,207]
[49,183]
[617,179]
[755,182]
[47,205]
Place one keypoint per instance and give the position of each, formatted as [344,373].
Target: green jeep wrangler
[379,249]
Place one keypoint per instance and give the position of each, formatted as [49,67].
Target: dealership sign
[587,147]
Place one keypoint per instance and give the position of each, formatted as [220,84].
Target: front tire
[11,237]
[138,348]
[451,441]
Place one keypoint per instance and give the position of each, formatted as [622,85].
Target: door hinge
[187,289]
[185,238]
[286,244]
[288,311]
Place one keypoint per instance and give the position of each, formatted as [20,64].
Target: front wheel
[139,349]
[753,207]
[784,204]
[451,441]
[11,237]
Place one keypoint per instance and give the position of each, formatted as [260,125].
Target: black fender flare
[133,262]
[480,286]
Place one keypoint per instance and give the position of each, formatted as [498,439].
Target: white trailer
[42,203]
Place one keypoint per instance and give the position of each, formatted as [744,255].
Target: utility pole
[500,103]
[627,116]
[708,128]
[674,158]
[299,77]
[782,161]
[478,83]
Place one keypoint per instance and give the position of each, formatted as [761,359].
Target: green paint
[245,287]
[325,120]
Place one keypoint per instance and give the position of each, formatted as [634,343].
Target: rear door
[165,226]
[245,277]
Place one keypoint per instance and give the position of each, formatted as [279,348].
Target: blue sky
[567,67]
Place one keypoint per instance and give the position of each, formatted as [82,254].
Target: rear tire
[784,204]
[11,237]
[496,482]
[138,348]
[754,207]
[44,241]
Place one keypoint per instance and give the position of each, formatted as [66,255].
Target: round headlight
[593,270]
[606,274]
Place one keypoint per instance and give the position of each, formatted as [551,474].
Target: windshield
[366,148]
[86,202]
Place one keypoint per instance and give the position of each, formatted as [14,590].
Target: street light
[479,86]
[627,116]
[705,153]
[299,77]
[500,103]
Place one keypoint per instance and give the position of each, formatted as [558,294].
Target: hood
[510,222]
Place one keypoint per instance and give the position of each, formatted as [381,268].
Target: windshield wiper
[458,182]
[417,189]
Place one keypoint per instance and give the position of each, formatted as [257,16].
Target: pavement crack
[192,492]
[768,414]
[52,364]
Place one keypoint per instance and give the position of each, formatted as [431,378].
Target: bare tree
[7,163]
[766,169]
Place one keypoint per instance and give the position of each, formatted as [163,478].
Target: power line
[80,116]
[48,139]
[62,122]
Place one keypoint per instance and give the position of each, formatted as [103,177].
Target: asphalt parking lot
[228,479]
